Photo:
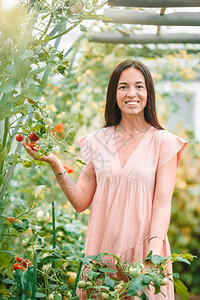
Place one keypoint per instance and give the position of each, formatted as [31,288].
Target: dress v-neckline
[135,151]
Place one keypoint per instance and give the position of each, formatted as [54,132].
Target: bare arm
[165,180]
[80,195]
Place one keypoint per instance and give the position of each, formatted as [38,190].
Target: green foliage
[47,91]
[113,279]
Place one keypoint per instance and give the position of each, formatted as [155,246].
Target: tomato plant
[106,281]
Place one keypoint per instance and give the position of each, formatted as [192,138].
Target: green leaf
[11,69]
[4,181]
[58,297]
[5,258]
[17,275]
[92,274]
[137,284]
[149,255]
[188,256]
[7,87]
[37,71]
[8,281]
[97,258]
[23,70]
[27,54]
[107,270]
[157,259]
[181,259]
[32,92]
[4,291]
[40,295]
[27,280]
[110,282]
[176,275]
[85,260]
[21,226]
[60,55]
[143,296]
[61,69]
[174,255]
[80,161]
[181,289]
[157,286]
[53,257]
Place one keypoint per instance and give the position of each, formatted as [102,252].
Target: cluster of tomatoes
[32,136]
[42,150]
[21,264]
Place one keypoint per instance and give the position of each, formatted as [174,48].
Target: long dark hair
[112,111]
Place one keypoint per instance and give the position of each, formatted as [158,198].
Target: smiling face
[131,95]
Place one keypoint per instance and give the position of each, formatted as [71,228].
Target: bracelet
[156,237]
[61,173]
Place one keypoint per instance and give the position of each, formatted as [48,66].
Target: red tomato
[19,259]
[11,220]
[33,137]
[32,145]
[19,137]
[26,262]
[17,266]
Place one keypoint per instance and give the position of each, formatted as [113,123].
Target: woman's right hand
[51,158]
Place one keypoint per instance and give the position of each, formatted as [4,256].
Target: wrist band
[156,237]
[61,173]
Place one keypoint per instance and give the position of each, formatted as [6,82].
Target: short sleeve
[170,146]
[87,153]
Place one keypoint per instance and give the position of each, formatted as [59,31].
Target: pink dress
[121,209]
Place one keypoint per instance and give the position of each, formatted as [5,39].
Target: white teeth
[132,102]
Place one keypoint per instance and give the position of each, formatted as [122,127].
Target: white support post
[155,3]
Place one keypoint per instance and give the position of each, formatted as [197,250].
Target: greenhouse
[99,172]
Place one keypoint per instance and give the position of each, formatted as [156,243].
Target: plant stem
[77,278]
[27,211]
[34,277]
[54,229]
[79,21]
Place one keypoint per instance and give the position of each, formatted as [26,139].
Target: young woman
[129,174]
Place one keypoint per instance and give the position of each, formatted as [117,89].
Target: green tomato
[134,271]
[47,152]
[89,283]
[38,115]
[164,281]
[43,148]
[104,295]
[44,136]
[46,127]
[81,284]
[50,146]
[38,155]
[48,121]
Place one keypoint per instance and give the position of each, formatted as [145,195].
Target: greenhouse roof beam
[119,38]
[123,16]
[155,3]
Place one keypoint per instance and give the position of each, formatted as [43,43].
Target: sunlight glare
[8,4]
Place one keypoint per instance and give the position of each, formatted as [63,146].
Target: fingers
[29,150]
[25,143]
